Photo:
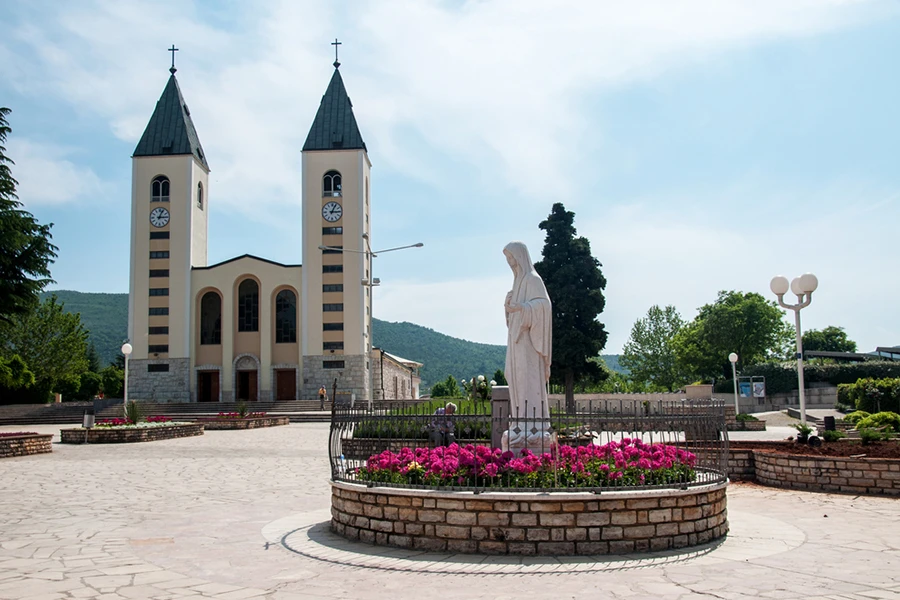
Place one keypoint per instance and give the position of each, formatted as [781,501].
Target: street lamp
[733,357]
[803,287]
[126,350]
[370,282]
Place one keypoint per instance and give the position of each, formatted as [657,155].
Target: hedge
[782,377]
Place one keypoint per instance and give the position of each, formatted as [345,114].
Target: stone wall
[25,445]
[211,424]
[828,474]
[106,435]
[173,385]
[352,379]
[393,381]
[527,523]
[741,466]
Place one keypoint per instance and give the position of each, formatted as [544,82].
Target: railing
[690,433]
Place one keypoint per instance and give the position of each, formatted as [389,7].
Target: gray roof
[171,130]
[334,127]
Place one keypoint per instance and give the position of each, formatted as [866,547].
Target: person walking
[323,396]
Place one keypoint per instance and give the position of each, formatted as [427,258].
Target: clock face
[332,212]
[159,217]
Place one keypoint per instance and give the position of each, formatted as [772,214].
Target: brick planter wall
[528,523]
[24,445]
[103,435]
[209,424]
[747,426]
[741,466]
[828,474]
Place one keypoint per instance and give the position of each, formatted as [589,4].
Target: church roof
[171,130]
[334,127]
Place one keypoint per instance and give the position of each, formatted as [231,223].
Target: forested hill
[106,316]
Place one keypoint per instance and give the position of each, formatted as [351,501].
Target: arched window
[248,306]
[285,317]
[211,319]
[331,184]
[200,195]
[159,189]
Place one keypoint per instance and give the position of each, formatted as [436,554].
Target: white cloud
[47,176]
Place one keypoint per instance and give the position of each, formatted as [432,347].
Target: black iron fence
[607,445]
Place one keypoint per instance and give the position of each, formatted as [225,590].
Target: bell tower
[336,306]
[169,209]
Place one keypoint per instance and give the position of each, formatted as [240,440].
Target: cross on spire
[336,43]
[173,50]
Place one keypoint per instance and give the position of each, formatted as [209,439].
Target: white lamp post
[126,350]
[370,282]
[733,358]
[803,287]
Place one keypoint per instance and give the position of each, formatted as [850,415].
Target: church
[249,328]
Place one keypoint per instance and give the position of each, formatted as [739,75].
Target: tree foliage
[447,388]
[25,248]
[575,284]
[649,353]
[500,377]
[830,339]
[52,342]
[745,323]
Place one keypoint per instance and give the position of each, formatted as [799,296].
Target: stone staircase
[297,410]
[66,413]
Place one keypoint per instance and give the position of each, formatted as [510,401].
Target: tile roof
[334,127]
[171,130]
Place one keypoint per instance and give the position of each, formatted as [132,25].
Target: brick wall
[25,445]
[529,524]
[829,474]
[103,435]
[741,466]
[209,424]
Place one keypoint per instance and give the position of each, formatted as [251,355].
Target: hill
[106,316]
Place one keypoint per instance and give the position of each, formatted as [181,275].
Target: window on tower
[159,189]
[200,195]
[285,317]
[248,305]
[331,184]
[210,319]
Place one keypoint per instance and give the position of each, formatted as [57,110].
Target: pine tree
[25,248]
[575,284]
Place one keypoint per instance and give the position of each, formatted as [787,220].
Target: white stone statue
[529,318]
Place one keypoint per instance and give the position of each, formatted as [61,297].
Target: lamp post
[803,287]
[126,350]
[733,358]
[370,282]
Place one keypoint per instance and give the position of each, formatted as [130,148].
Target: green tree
[575,284]
[93,359]
[113,381]
[747,324]
[830,339]
[448,388]
[52,342]
[649,353]
[25,249]
[14,374]
[500,377]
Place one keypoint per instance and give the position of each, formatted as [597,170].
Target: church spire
[171,130]
[334,127]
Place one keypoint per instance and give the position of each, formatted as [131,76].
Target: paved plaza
[242,514]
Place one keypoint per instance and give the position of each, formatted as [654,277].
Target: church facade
[249,328]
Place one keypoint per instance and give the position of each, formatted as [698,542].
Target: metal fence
[695,427]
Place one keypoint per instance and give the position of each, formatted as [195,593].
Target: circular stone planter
[25,445]
[211,424]
[126,435]
[524,523]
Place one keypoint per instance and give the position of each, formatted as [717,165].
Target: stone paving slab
[242,514]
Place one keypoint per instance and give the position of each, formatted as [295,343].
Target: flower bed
[628,463]
[126,434]
[24,443]
[243,423]
[237,415]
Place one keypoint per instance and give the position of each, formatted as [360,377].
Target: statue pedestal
[533,435]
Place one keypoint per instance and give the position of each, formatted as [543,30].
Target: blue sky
[703,145]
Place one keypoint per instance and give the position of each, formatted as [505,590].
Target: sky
[703,145]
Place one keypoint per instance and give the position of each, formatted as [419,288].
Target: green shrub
[803,432]
[745,417]
[856,416]
[877,395]
[872,435]
[833,436]
[133,412]
[782,377]
[883,420]
[242,409]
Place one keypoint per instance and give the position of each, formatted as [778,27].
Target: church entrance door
[246,385]
[286,384]
[208,386]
